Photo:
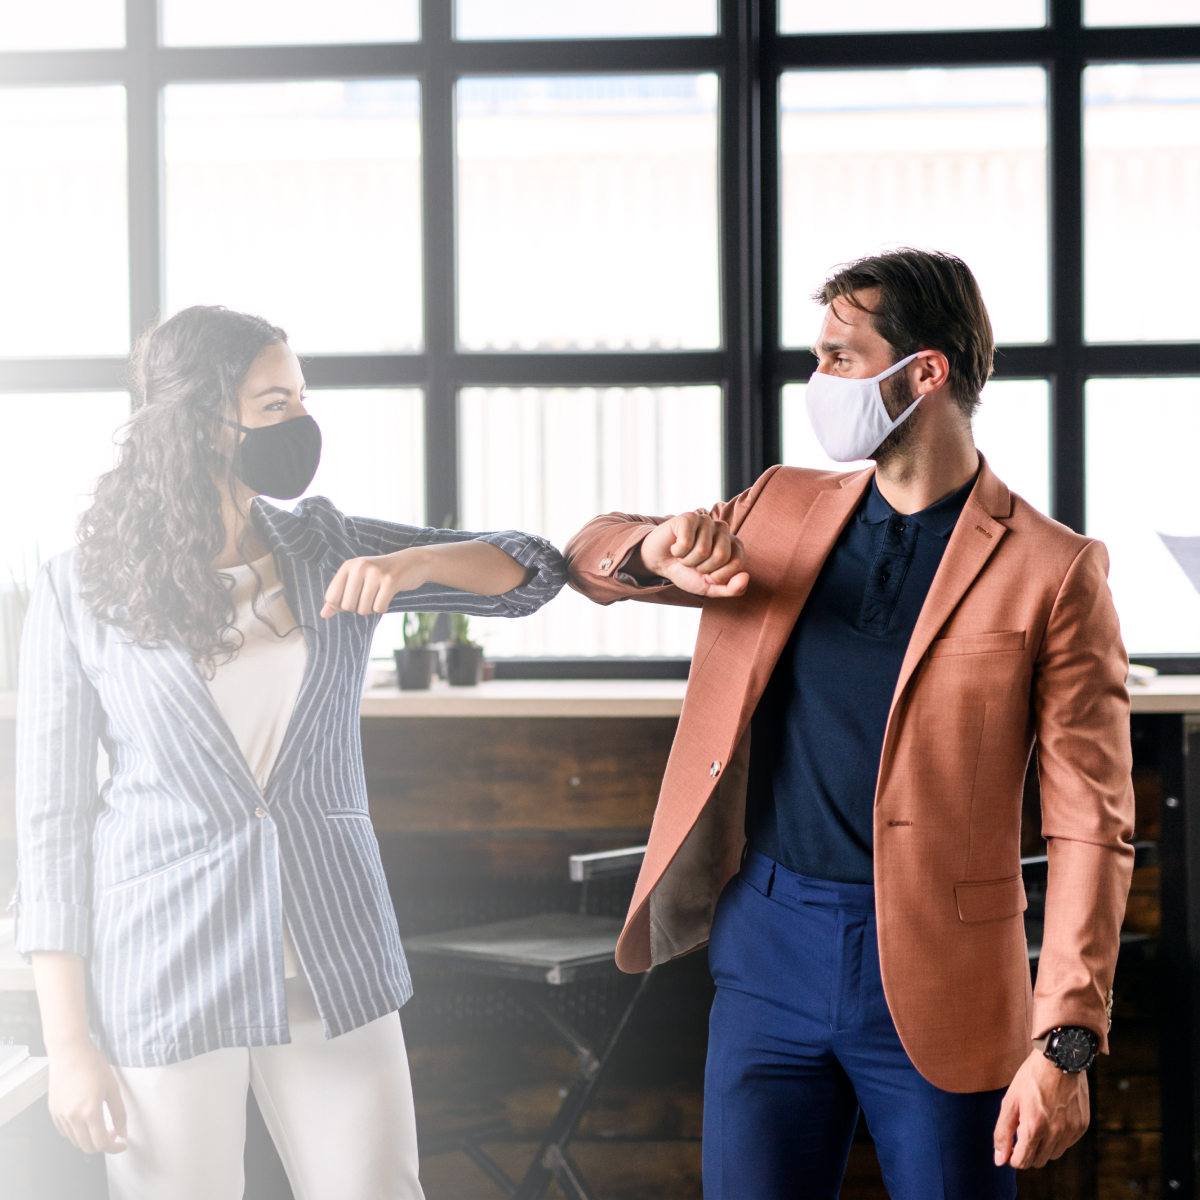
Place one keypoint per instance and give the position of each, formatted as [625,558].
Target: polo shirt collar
[939,518]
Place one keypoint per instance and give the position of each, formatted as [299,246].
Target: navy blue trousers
[800,1038]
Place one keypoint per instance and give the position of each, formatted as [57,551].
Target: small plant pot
[464,664]
[415,666]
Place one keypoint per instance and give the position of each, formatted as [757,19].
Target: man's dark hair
[927,301]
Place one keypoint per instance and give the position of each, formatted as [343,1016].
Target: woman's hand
[81,1084]
[367,585]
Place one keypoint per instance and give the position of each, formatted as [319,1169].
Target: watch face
[1073,1049]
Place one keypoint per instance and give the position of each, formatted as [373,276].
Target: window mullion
[438,261]
[144,170]
[1067,486]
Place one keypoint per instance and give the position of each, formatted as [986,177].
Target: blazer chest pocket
[993,900]
[979,643]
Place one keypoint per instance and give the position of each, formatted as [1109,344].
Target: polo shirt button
[605,563]
[260,813]
[715,770]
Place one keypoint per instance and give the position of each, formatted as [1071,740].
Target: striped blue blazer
[173,878]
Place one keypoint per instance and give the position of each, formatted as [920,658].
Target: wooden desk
[21,1086]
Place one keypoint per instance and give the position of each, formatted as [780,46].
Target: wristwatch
[1071,1048]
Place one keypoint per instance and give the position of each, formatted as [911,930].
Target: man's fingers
[1030,1137]
[701,548]
[1006,1129]
[735,587]
[683,527]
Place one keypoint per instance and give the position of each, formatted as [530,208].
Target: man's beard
[897,400]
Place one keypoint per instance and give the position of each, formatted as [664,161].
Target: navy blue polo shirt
[817,734]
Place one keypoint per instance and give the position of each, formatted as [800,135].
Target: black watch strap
[1071,1048]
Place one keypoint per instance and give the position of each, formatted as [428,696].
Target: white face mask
[849,416]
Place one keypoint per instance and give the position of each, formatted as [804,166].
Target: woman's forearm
[477,567]
[62,999]
[82,1084]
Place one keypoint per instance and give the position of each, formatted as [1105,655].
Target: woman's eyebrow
[283,391]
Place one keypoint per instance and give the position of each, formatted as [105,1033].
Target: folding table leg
[552,1156]
[570,1177]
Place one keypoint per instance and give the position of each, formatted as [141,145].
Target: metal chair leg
[552,1154]
[567,1172]
[467,1140]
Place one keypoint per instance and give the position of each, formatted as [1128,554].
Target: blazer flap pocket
[990,901]
[979,643]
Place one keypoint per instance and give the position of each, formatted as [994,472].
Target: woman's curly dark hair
[148,541]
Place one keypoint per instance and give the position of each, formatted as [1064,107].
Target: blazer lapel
[972,543]
[188,697]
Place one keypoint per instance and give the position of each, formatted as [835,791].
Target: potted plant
[415,662]
[464,658]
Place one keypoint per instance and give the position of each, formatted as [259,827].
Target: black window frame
[751,366]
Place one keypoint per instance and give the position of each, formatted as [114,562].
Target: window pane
[588,213]
[548,460]
[287,22]
[372,464]
[49,480]
[62,25]
[372,452]
[1012,429]
[865,16]
[930,157]
[1142,436]
[1142,198]
[300,202]
[1140,12]
[504,19]
[63,222]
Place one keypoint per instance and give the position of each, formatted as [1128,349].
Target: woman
[217,910]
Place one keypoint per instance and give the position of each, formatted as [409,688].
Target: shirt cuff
[47,925]
[623,576]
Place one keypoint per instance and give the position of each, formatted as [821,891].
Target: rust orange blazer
[1017,645]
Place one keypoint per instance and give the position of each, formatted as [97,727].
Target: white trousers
[340,1113]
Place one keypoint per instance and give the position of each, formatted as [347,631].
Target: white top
[256,691]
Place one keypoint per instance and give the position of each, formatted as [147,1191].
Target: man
[878,655]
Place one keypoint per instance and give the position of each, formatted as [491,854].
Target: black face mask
[278,460]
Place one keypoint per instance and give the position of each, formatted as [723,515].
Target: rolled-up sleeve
[532,552]
[58,725]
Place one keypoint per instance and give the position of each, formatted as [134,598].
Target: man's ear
[933,371]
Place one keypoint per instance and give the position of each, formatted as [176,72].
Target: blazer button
[260,812]
[605,563]
[715,770]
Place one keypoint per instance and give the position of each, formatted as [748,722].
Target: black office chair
[550,949]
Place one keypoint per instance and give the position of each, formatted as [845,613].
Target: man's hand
[697,554]
[1045,1109]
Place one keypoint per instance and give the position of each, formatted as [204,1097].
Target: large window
[545,258]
